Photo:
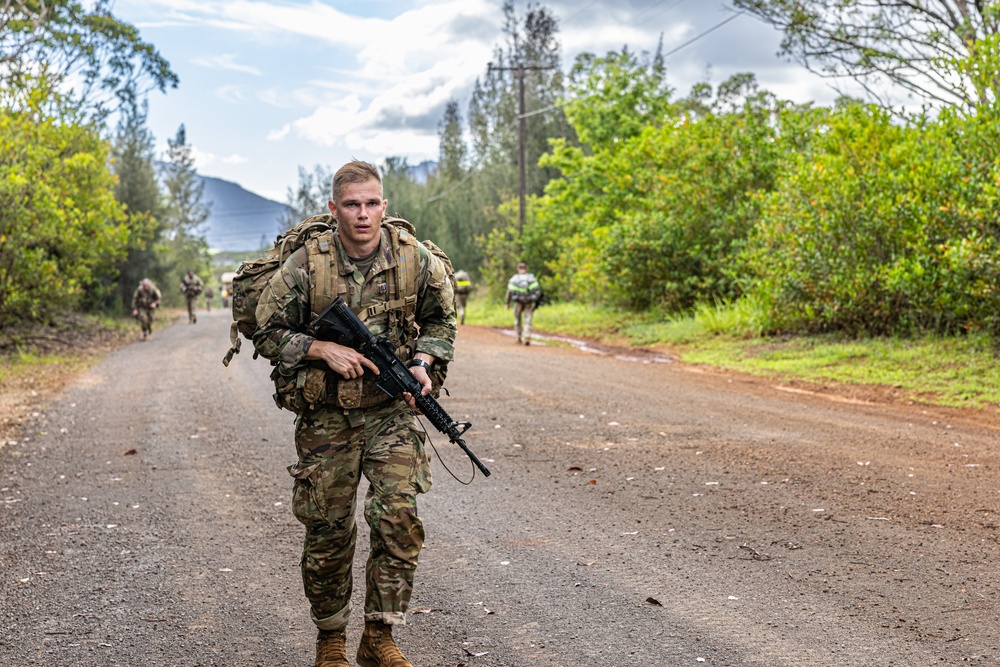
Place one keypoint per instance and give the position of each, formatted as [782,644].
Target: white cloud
[227,62]
[280,133]
[201,158]
[462,30]
[234,159]
[313,19]
[232,94]
[416,148]
[332,121]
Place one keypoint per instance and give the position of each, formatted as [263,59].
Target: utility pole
[522,137]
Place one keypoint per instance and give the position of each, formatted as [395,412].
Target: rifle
[339,324]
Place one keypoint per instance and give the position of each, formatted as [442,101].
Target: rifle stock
[339,324]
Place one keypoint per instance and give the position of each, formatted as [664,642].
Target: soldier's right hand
[346,361]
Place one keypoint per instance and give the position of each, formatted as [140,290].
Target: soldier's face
[358,211]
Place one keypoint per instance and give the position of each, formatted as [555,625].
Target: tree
[185,211]
[657,219]
[615,97]
[866,235]
[493,111]
[944,51]
[138,190]
[453,153]
[308,198]
[75,41]
[531,50]
[59,221]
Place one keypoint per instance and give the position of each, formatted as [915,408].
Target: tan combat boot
[377,648]
[331,649]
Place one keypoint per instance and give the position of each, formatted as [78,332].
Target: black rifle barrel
[339,322]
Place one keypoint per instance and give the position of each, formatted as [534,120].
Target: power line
[651,12]
[450,190]
[668,53]
[522,116]
[582,10]
[697,37]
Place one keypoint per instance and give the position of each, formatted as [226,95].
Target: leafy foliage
[884,227]
[59,220]
[308,198]
[924,47]
[138,190]
[615,97]
[185,212]
[655,219]
[72,40]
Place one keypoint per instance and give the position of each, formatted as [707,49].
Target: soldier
[523,289]
[145,299]
[191,285]
[209,295]
[348,427]
[463,287]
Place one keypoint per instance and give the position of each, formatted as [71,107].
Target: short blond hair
[354,172]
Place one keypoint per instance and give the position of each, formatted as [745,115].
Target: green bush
[878,229]
[59,219]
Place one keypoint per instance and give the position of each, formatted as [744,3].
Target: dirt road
[639,513]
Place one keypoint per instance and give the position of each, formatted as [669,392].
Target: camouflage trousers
[335,449]
[461,299]
[192,302]
[145,316]
[523,310]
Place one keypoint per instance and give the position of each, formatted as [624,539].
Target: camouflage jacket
[191,286]
[142,298]
[282,337]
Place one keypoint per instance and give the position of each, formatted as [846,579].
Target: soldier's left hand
[420,373]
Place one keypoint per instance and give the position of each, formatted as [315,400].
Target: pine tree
[185,211]
[137,188]
[308,198]
[453,153]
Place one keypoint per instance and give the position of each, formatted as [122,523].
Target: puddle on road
[641,356]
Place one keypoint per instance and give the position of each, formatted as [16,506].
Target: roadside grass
[959,371]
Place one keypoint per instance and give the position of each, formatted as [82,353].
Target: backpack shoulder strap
[403,280]
[324,274]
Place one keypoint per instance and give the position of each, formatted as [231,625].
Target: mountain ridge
[239,220]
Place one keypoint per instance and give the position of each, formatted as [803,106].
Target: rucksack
[253,276]
[463,283]
[316,233]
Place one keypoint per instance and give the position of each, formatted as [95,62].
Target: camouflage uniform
[336,445]
[143,302]
[191,285]
[524,291]
[463,287]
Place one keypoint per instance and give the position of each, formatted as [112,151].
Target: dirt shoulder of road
[40,360]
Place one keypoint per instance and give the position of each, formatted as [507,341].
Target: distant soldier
[191,285]
[209,295]
[145,299]
[524,291]
[463,287]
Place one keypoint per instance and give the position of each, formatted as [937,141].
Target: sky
[269,86]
